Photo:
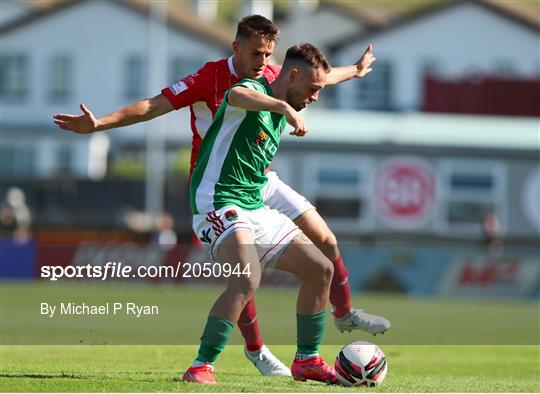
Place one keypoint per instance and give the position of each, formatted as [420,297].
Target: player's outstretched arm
[140,111]
[252,100]
[358,70]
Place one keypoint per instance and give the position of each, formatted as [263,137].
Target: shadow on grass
[43,376]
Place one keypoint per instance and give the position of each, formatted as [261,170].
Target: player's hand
[297,121]
[366,61]
[83,124]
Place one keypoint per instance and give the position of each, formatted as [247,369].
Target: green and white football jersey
[234,155]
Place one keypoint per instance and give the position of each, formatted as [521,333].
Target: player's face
[305,87]
[252,56]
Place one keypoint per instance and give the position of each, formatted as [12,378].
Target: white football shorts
[279,196]
[272,230]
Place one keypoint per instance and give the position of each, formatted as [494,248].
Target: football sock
[197,363]
[340,291]
[302,356]
[214,338]
[310,332]
[249,327]
[254,353]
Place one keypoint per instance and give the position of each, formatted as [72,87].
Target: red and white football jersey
[203,92]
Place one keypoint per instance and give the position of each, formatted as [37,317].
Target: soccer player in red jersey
[203,92]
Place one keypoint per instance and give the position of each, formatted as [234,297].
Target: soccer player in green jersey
[237,228]
[203,92]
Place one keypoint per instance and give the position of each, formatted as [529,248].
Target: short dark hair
[306,54]
[257,26]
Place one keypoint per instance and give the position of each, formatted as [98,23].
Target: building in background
[325,23]
[13,10]
[424,54]
[392,176]
[96,52]
[407,190]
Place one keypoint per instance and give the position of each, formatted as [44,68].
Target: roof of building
[363,12]
[179,17]
[514,11]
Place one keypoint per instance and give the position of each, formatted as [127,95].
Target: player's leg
[316,229]
[237,249]
[307,262]
[234,245]
[255,350]
[286,200]
[249,327]
[345,317]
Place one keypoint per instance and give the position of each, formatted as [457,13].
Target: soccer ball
[361,364]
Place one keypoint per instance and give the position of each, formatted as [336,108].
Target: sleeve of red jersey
[188,90]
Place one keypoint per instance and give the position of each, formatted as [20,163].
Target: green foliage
[228,10]
[179,162]
[128,166]
[159,368]
[183,309]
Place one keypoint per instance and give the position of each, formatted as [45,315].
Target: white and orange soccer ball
[361,364]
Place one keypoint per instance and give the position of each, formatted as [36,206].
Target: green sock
[214,338]
[310,332]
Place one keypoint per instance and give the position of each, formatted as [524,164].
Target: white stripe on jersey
[232,118]
[203,117]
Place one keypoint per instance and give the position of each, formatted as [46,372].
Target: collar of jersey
[231,66]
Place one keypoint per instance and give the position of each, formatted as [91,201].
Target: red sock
[340,292]
[249,327]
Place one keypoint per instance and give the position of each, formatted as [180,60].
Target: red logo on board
[405,192]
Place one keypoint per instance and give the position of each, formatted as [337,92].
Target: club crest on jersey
[261,138]
[231,216]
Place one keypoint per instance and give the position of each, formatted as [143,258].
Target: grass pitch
[428,348]
[413,368]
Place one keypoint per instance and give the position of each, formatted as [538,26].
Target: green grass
[183,311]
[435,345]
[158,368]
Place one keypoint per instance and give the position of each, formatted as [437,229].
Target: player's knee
[246,286]
[322,271]
[328,271]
